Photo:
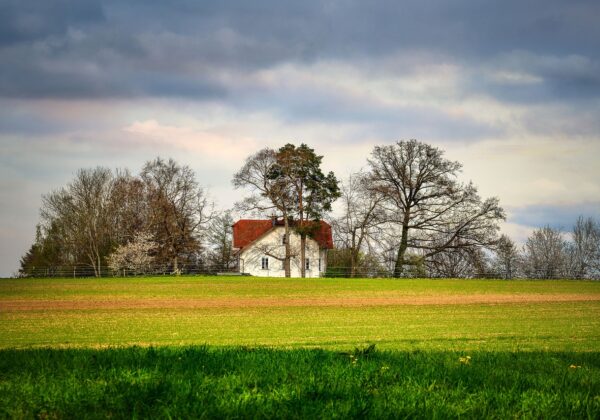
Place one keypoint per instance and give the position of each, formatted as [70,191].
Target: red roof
[247,231]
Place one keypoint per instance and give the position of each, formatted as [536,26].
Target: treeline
[405,215]
[549,253]
[104,222]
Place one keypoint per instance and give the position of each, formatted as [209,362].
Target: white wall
[272,243]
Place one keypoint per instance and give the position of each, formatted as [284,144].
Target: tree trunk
[286,261]
[399,267]
[92,259]
[175,265]
[352,264]
[353,255]
[303,255]
[302,234]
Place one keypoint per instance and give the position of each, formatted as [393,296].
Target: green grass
[237,382]
[297,360]
[553,326]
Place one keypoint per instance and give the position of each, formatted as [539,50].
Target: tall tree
[178,210]
[361,215]
[268,193]
[312,192]
[435,211]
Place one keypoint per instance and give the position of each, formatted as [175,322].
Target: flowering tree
[134,256]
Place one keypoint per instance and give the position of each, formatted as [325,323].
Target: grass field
[337,314]
[254,347]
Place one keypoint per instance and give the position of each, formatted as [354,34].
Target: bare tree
[544,254]
[361,216]
[219,240]
[81,213]
[129,211]
[435,212]
[268,193]
[584,248]
[178,210]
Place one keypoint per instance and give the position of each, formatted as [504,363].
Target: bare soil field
[262,302]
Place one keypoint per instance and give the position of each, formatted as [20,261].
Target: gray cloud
[96,66]
[73,49]
[528,78]
[38,19]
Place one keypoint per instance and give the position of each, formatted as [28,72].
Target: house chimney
[273,220]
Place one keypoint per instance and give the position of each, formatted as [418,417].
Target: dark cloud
[96,66]
[527,78]
[180,48]
[561,217]
[31,20]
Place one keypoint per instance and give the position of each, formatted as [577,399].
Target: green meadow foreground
[249,347]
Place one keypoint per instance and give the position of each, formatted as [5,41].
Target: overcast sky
[511,89]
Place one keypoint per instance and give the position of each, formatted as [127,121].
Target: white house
[261,248]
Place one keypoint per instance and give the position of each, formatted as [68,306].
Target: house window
[283,239]
[307,261]
[264,263]
[319,264]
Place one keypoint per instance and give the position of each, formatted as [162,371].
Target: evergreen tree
[313,191]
